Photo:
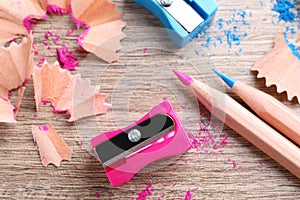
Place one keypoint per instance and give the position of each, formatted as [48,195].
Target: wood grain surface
[140,80]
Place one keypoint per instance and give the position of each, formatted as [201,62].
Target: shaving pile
[53,83]
[103,30]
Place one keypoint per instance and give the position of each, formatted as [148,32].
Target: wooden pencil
[267,107]
[246,124]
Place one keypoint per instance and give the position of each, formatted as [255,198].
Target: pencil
[267,107]
[246,124]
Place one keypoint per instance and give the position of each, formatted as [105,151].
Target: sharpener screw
[134,135]
[166,3]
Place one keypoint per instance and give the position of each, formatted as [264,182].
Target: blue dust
[286,10]
[290,14]
[293,47]
[229,31]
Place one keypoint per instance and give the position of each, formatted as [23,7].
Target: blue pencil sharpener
[183,19]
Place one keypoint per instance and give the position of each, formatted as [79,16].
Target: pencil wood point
[185,79]
[228,80]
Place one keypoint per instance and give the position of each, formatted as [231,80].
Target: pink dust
[81,143]
[77,22]
[234,164]
[43,128]
[53,9]
[16,109]
[78,26]
[41,62]
[144,193]
[26,81]
[188,195]
[208,141]
[66,59]
[56,40]
[29,22]
[46,43]
[47,34]
[69,32]
[31,168]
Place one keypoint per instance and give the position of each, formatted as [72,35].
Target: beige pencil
[267,107]
[246,124]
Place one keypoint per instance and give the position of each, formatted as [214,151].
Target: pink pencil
[246,124]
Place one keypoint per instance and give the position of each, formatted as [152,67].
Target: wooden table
[140,80]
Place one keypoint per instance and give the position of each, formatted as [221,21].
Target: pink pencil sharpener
[158,135]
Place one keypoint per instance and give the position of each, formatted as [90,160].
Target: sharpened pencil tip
[228,80]
[185,79]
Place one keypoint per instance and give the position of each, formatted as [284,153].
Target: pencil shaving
[104,27]
[3,93]
[280,67]
[15,16]
[87,100]
[6,111]
[21,92]
[52,147]
[67,93]
[108,44]
[16,64]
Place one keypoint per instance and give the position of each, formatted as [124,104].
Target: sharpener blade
[184,14]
